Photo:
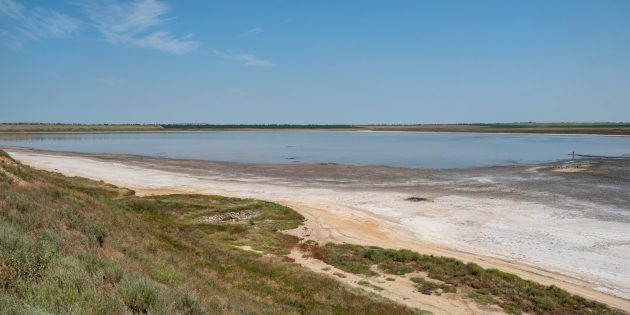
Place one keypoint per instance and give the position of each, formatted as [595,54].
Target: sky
[320,62]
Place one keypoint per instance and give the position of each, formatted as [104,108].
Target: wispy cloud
[11,9]
[247,59]
[253,31]
[139,23]
[35,23]
[41,23]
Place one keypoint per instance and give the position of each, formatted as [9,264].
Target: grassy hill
[76,246]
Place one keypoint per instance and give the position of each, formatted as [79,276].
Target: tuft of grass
[395,267]
[166,275]
[142,296]
[431,287]
[4,179]
[366,283]
[483,298]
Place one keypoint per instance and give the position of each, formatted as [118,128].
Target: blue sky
[150,61]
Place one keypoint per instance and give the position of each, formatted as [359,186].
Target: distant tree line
[558,125]
[341,126]
[71,124]
[255,126]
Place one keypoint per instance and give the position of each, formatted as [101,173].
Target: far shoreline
[561,128]
[312,130]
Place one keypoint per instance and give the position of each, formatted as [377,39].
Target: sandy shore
[568,229]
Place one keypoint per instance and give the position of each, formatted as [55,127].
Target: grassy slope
[71,245]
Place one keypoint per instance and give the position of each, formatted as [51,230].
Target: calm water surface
[407,149]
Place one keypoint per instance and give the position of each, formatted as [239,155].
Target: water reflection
[408,149]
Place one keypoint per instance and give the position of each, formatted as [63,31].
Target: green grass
[75,246]
[487,286]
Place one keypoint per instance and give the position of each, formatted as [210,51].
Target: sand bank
[567,229]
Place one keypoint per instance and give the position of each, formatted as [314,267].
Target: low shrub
[141,295]
[431,287]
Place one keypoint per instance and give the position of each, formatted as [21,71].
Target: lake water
[407,149]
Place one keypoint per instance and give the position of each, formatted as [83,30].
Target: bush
[403,255]
[10,239]
[375,254]
[112,274]
[395,268]
[141,295]
[184,303]
[430,287]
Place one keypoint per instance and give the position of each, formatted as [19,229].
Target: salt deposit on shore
[522,220]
